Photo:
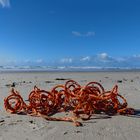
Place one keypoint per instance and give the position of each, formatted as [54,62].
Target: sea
[65,69]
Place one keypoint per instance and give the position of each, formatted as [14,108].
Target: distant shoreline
[61,71]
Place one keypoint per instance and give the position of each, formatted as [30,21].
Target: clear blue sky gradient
[57,29]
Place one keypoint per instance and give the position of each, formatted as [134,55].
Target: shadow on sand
[136,114]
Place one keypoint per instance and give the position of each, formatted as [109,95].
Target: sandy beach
[100,127]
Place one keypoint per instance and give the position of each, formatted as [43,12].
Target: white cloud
[4,61]
[90,34]
[87,34]
[97,60]
[5,3]
[76,33]
[66,60]
[39,61]
[136,56]
[27,61]
[87,58]
[103,55]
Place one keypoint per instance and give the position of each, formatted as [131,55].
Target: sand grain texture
[100,127]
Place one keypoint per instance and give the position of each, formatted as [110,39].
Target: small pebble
[119,81]
[124,79]
[77,131]
[61,79]
[13,84]
[19,120]
[49,81]
[2,121]
[65,133]
[106,77]
[31,121]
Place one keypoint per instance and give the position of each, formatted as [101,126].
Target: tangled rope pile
[82,101]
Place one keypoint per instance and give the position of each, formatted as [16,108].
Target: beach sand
[100,127]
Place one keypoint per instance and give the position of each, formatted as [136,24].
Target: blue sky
[70,32]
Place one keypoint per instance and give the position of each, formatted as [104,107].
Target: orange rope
[71,97]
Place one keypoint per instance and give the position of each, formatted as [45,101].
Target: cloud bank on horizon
[5,3]
[99,60]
